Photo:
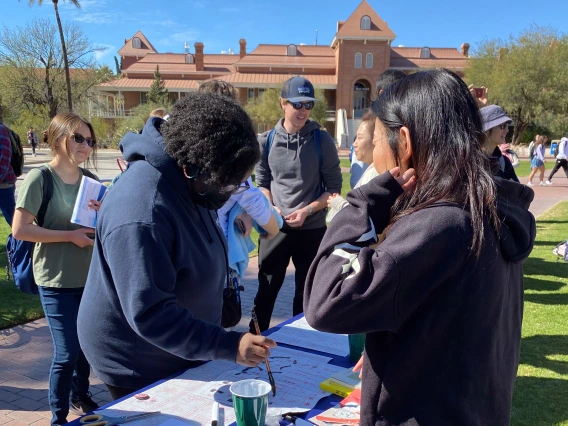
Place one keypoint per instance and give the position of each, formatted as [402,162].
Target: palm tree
[63,47]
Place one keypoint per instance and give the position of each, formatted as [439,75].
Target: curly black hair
[213,134]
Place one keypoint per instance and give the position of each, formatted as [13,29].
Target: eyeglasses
[298,105]
[504,125]
[228,189]
[235,189]
[78,138]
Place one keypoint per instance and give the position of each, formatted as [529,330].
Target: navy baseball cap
[298,89]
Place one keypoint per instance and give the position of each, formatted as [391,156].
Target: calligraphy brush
[268,370]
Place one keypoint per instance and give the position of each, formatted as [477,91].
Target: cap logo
[303,90]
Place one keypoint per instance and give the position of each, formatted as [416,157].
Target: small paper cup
[250,400]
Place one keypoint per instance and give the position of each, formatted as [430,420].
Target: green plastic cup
[356,346]
[250,400]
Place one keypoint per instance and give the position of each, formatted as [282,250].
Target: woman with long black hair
[440,299]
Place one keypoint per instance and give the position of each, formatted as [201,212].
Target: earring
[191,171]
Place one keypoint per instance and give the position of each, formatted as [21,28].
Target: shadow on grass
[542,401]
[538,284]
[547,299]
[548,266]
[539,402]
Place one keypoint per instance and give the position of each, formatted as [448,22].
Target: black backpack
[17,159]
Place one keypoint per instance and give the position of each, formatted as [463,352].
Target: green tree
[266,109]
[32,70]
[63,45]
[158,94]
[526,75]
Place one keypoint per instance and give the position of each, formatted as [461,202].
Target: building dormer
[291,50]
[137,43]
[425,53]
[366,23]
[189,59]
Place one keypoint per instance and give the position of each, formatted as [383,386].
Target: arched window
[369,60]
[365,23]
[136,43]
[189,59]
[425,53]
[291,50]
[358,60]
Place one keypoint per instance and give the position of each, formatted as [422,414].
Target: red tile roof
[296,61]
[179,58]
[303,50]
[352,26]
[176,68]
[129,50]
[409,57]
[145,83]
[265,80]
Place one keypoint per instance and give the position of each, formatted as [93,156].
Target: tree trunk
[50,100]
[65,59]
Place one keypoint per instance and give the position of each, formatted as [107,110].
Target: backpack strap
[47,193]
[88,173]
[269,140]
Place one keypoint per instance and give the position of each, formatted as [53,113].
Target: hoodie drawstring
[210,237]
[224,249]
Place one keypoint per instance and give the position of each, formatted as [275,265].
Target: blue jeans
[8,203]
[69,373]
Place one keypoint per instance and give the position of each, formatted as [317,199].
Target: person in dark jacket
[440,299]
[496,126]
[153,299]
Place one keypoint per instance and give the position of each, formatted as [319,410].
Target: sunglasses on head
[298,105]
[78,138]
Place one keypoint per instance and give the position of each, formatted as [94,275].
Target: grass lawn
[15,307]
[541,394]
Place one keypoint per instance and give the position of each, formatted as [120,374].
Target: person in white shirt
[561,159]
[537,160]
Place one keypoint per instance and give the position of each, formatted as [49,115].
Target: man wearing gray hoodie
[298,171]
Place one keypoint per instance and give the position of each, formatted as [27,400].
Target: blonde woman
[537,159]
[61,258]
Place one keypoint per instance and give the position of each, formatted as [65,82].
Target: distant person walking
[32,140]
[537,159]
[561,159]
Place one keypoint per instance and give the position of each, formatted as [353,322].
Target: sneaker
[530,184]
[82,406]
[541,183]
[548,182]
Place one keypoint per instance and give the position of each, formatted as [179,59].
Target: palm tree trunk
[65,60]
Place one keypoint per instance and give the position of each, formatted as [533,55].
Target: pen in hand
[268,370]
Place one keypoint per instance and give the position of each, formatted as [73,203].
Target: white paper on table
[189,397]
[90,189]
[301,334]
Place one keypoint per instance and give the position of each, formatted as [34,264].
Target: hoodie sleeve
[330,169]
[263,175]
[353,288]
[146,293]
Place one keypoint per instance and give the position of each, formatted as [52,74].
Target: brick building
[347,70]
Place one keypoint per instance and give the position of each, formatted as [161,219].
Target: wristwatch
[310,210]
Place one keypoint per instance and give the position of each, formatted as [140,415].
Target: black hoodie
[443,327]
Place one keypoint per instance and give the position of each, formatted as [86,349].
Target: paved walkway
[26,351]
